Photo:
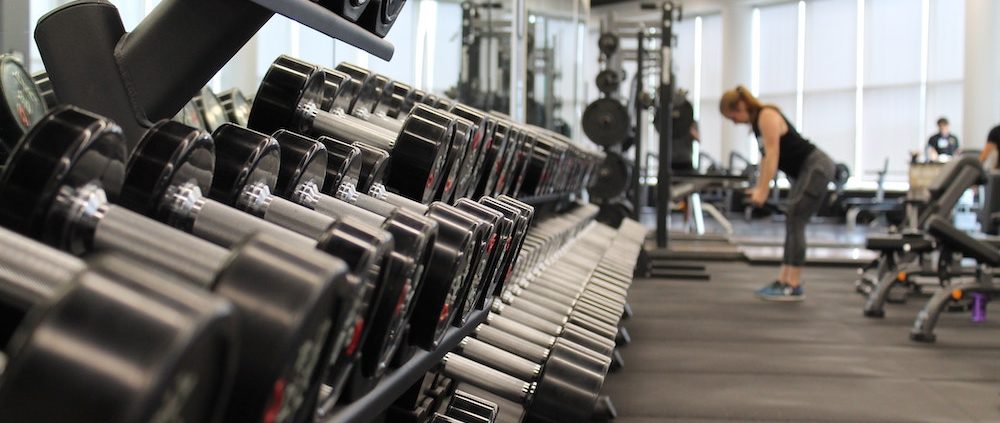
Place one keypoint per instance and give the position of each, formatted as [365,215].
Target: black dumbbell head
[337,85]
[68,147]
[419,154]
[168,155]
[290,89]
[380,17]
[236,105]
[400,102]
[242,157]
[349,9]
[374,163]
[303,161]
[164,336]
[343,164]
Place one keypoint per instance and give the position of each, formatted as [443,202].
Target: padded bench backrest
[991,204]
[962,174]
[950,170]
[957,240]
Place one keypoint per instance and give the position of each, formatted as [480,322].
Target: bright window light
[696,95]
[800,66]
[859,91]
[294,37]
[755,53]
[925,18]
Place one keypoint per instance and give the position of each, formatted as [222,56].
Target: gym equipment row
[548,344]
[303,256]
[927,254]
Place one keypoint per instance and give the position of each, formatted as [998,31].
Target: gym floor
[711,352]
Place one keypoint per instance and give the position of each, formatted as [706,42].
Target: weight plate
[606,122]
[613,178]
[607,43]
[608,81]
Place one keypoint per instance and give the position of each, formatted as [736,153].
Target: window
[830,77]
[864,79]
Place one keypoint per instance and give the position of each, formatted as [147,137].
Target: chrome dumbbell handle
[465,370]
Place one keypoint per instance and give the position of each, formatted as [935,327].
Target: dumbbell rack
[396,382]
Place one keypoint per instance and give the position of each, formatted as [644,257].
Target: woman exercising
[808,168]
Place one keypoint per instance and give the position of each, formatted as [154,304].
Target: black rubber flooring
[710,352]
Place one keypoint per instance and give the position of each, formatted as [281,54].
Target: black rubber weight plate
[613,177]
[606,122]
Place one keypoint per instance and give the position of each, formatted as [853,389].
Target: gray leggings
[804,200]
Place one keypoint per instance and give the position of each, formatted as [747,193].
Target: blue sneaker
[777,291]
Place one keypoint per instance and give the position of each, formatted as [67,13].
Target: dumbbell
[528,323]
[303,170]
[374,98]
[178,342]
[505,138]
[55,189]
[174,164]
[464,407]
[190,116]
[44,85]
[510,181]
[520,215]
[507,411]
[353,90]
[290,97]
[448,266]
[349,9]
[22,103]
[561,392]
[484,230]
[380,15]
[236,105]
[213,113]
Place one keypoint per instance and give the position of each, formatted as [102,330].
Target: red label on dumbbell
[359,327]
[277,398]
[445,311]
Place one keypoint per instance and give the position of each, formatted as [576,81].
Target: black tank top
[792,148]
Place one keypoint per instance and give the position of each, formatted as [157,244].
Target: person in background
[809,169]
[992,146]
[943,143]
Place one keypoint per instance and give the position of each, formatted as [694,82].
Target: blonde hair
[730,99]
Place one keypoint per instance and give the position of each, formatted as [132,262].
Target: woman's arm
[771,128]
[988,150]
[770,132]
